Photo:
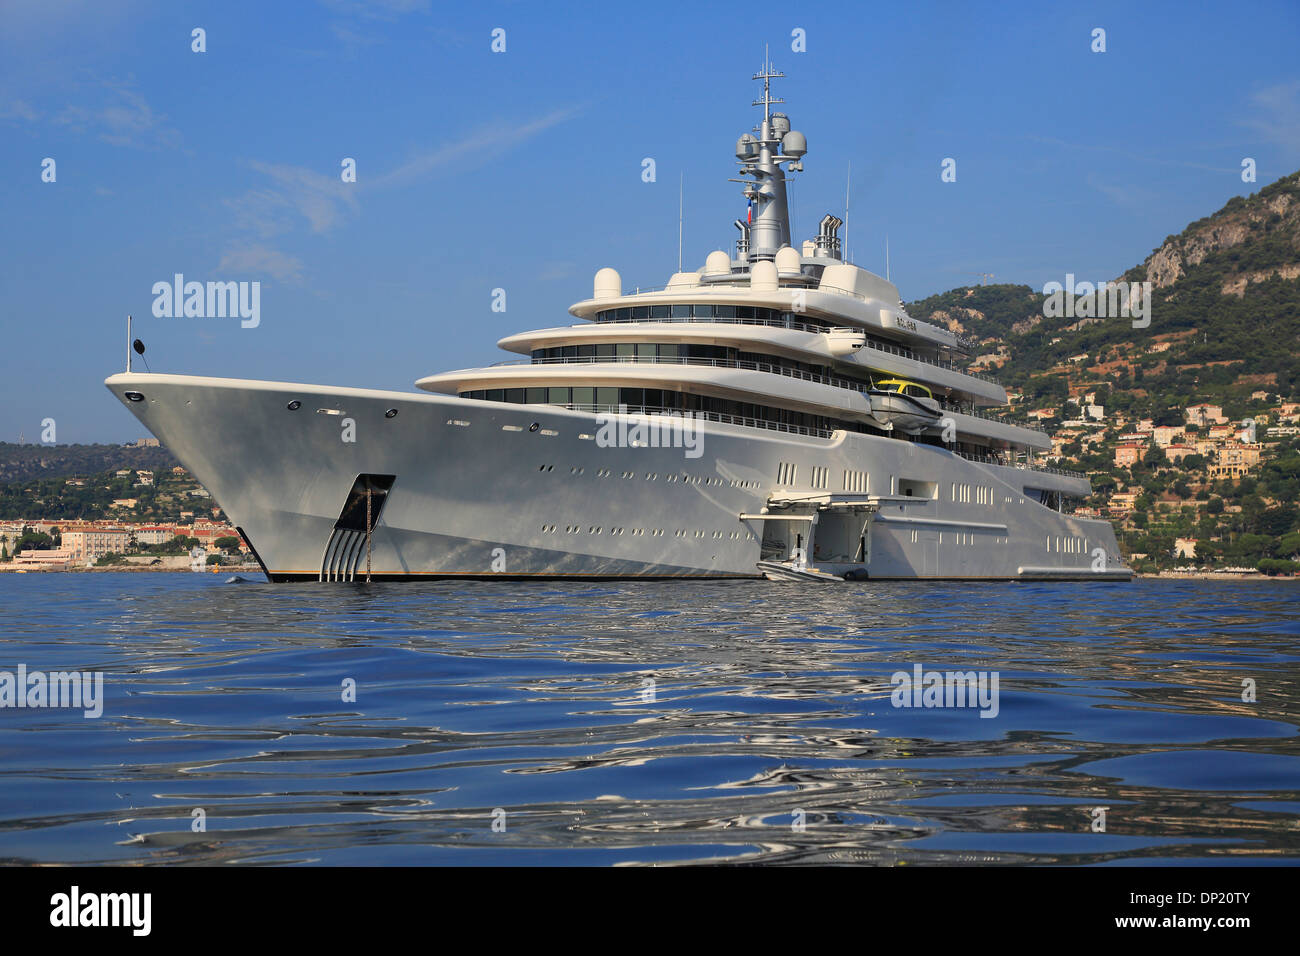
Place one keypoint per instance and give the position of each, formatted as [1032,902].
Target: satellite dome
[763,278]
[608,285]
[794,144]
[747,147]
[718,263]
[780,124]
[787,261]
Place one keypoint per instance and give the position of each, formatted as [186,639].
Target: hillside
[1224,294]
[1224,330]
[33,461]
[106,495]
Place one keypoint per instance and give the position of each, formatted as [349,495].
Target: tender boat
[906,406]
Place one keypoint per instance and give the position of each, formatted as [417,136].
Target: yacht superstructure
[774,411]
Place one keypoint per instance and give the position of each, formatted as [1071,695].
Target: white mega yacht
[773,413]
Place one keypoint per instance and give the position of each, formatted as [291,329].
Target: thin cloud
[377,9]
[261,260]
[353,39]
[315,196]
[479,147]
[18,109]
[556,270]
[122,118]
[1127,154]
[1121,195]
[299,193]
[1276,116]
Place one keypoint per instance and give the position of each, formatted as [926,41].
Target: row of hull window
[660,351]
[634,350]
[741,313]
[655,398]
[697,311]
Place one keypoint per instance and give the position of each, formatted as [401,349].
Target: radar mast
[761,157]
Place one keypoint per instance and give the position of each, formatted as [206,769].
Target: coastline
[1219,576]
[135,568]
[241,568]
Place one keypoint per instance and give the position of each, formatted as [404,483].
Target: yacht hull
[490,489]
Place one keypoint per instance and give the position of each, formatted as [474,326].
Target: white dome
[794,144]
[718,263]
[608,285]
[787,261]
[762,277]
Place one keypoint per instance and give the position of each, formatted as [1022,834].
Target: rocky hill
[1224,331]
[1225,297]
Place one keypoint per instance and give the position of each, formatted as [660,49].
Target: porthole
[133,396]
[391,413]
[534,426]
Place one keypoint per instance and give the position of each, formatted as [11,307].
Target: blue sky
[522,170]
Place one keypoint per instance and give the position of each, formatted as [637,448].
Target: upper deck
[821,288]
[792,336]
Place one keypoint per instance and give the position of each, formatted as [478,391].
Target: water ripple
[650,723]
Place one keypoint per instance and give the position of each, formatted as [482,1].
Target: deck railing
[1024,465]
[808,327]
[790,429]
[708,416]
[833,380]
